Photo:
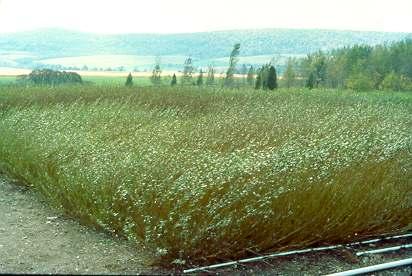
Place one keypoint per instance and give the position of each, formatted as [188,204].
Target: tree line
[263,78]
[359,67]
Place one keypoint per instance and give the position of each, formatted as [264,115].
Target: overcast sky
[173,16]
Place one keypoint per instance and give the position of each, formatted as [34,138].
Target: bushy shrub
[360,82]
[50,77]
[396,82]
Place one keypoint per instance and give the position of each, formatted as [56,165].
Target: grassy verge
[202,175]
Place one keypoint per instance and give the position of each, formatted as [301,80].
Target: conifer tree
[234,58]
[310,83]
[210,76]
[264,75]
[187,78]
[250,76]
[156,73]
[272,81]
[199,81]
[258,83]
[174,80]
[129,80]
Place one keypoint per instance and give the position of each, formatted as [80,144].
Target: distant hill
[52,46]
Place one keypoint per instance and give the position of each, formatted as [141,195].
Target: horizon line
[43,29]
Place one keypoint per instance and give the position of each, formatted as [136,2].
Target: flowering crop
[200,174]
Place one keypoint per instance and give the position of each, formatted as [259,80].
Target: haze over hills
[65,48]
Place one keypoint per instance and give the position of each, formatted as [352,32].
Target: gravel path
[34,239]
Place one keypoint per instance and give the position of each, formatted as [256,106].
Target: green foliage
[243,70]
[174,80]
[266,77]
[258,82]
[392,81]
[272,82]
[129,80]
[156,77]
[210,76]
[250,79]
[360,82]
[314,69]
[360,67]
[50,78]
[187,78]
[289,76]
[406,83]
[336,73]
[395,82]
[233,60]
[310,82]
[199,81]
[214,175]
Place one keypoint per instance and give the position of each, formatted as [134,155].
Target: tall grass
[202,175]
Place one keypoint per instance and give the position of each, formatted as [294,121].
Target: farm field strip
[198,175]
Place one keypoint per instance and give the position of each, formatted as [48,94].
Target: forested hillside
[30,48]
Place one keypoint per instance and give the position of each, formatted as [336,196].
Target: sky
[180,16]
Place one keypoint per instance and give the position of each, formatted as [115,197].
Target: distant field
[201,175]
[8,76]
[113,61]
[146,63]
[116,80]
[107,79]
[130,62]
[12,72]
[7,80]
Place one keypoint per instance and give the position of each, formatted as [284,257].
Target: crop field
[100,78]
[198,175]
[7,80]
[116,80]
[130,62]
[104,61]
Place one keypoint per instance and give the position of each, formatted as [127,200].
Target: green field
[96,80]
[113,61]
[129,62]
[202,175]
[117,81]
[7,80]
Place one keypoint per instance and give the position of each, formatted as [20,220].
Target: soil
[321,263]
[34,238]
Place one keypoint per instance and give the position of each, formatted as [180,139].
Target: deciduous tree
[234,59]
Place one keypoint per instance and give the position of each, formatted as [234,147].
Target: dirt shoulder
[35,239]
